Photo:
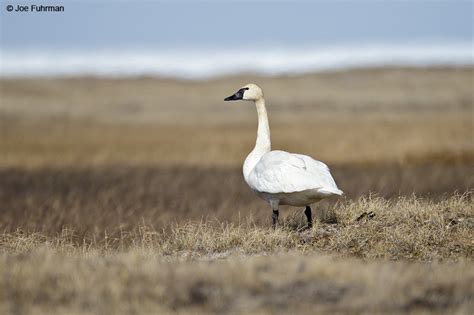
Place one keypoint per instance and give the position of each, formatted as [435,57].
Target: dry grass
[339,138]
[160,101]
[363,116]
[137,283]
[94,200]
[409,228]
[208,267]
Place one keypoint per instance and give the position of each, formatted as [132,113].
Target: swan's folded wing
[283,172]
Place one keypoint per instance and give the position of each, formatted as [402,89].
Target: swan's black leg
[307,211]
[275,218]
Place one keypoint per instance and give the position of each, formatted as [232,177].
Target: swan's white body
[283,178]
[279,177]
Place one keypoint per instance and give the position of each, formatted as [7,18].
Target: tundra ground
[125,196]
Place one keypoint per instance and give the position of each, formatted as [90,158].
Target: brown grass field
[125,196]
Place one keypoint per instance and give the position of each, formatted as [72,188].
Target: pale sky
[149,24]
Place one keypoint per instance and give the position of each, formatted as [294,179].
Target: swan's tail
[332,192]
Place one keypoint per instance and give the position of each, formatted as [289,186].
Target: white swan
[279,177]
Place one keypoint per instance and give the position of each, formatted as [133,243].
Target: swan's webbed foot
[275,215]
[307,211]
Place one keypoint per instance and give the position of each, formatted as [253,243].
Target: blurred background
[112,112]
[203,39]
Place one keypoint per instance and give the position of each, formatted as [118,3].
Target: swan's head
[250,92]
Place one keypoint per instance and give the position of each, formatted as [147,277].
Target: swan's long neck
[263,144]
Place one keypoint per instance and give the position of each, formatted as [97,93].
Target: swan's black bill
[237,96]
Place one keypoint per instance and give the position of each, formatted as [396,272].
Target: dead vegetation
[137,282]
[92,201]
[407,228]
[337,138]
[351,266]
[359,116]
